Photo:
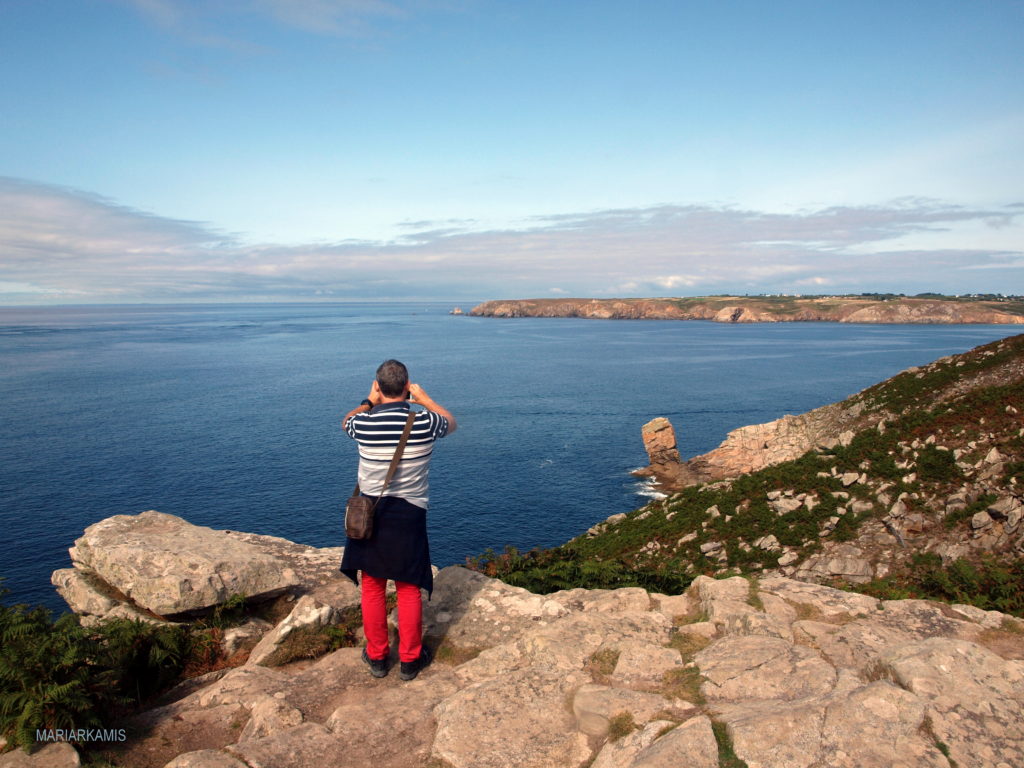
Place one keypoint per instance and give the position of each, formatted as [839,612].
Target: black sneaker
[410,669]
[378,667]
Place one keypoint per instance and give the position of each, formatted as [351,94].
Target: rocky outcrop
[308,614]
[762,309]
[152,566]
[756,446]
[789,673]
[168,566]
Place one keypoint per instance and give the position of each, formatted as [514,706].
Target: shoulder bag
[359,509]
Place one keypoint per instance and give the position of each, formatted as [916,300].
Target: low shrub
[935,466]
[989,583]
[951,520]
[61,675]
[549,570]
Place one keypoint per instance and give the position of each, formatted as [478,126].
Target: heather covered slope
[913,486]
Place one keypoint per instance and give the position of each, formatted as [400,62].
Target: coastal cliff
[911,480]
[765,309]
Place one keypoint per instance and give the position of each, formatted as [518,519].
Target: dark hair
[392,378]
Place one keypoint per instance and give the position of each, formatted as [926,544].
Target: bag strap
[394,459]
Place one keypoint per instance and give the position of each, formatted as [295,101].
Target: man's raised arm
[419,396]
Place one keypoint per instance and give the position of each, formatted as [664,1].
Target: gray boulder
[473,611]
[83,591]
[169,566]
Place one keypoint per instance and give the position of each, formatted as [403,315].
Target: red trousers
[375,619]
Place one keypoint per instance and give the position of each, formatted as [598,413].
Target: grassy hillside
[928,450]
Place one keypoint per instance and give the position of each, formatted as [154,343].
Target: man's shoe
[410,669]
[378,667]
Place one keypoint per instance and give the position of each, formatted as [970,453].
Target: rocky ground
[775,671]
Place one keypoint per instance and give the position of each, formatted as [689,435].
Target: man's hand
[419,396]
[376,396]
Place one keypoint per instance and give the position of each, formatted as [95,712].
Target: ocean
[229,415]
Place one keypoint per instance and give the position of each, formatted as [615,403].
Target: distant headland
[861,308]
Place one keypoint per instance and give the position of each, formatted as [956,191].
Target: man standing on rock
[398,548]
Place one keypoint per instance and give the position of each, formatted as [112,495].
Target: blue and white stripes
[377,432]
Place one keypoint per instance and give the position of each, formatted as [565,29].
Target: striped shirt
[377,432]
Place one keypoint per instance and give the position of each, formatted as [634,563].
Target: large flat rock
[169,566]
[519,720]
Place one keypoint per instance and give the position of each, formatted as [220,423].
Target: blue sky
[176,150]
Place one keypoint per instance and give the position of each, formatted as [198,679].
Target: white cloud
[14,289]
[1001,262]
[57,241]
[320,17]
[328,17]
[676,281]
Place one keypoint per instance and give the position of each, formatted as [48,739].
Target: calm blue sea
[228,415]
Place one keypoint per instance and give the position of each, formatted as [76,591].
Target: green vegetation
[916,388]
[230,613]
[621,725]
[726,756]
[57,674]
[955,518]
[311,642]
[60,675]
[990,584]
[549,570]
[935,466]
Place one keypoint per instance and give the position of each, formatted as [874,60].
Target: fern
[59,675]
